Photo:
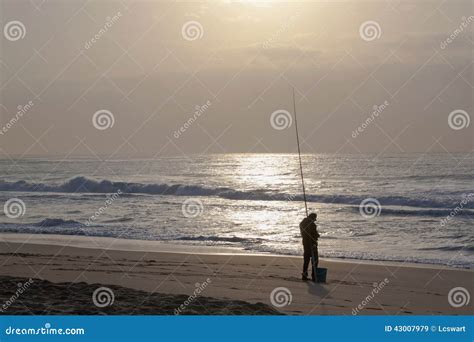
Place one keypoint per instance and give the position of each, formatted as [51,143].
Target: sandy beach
[152,278]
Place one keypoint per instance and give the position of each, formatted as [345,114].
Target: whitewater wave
[86,185]
[449,176]
[212,238]
[56,222]
[449,248]
[251,244]
[422,212]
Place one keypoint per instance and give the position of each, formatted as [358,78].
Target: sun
[255,3]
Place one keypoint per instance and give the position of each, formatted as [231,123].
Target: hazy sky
[150,63]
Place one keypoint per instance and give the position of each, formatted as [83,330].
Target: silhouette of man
[310,237]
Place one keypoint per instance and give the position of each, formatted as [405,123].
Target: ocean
[398,207]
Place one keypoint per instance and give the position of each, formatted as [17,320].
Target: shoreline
[246,279]
[133,245]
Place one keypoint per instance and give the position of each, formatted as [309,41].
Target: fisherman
[310,236]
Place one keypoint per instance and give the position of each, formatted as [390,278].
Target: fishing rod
[299,153]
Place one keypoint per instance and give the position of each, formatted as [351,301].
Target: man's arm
[316,234]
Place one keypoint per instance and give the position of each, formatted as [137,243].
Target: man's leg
[314,261]
[316,256]
[306,258]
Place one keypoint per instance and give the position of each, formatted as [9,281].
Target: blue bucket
[321,274]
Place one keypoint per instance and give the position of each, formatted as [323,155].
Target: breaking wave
[55,222]
[82,184]
[422,212]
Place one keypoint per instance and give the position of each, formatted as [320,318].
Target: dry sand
[154,278]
